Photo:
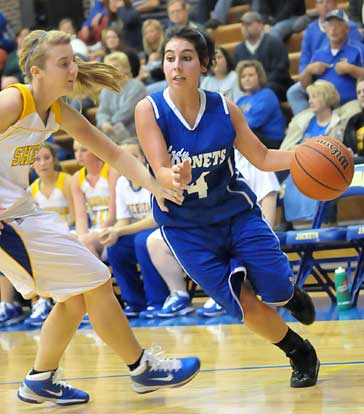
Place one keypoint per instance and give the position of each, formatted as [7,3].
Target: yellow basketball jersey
[97,197]
[56,201]
[18,146]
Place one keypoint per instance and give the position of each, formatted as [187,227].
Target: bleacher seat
[294,42]
[323,249]
[294,60]
[227,33]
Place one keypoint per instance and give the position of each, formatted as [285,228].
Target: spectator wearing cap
[267,49]
[315,38]
[340,62]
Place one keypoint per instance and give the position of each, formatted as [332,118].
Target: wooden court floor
[240,372]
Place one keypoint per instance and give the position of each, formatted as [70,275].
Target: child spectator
[222,77]
[93,191]
[126,241]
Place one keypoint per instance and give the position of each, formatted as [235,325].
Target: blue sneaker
[131,311]
[155,372]
[150,312]
[41,310]
[177,304]
[210,309]
[85,320]
[46,386]
[11,313]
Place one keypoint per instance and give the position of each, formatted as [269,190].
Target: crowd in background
[112,215]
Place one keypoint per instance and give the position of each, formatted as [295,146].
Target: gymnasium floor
[240,373]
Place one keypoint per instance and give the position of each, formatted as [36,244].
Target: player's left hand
[162,194]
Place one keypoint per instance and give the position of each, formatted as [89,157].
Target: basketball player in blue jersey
[218,234]
[37,252]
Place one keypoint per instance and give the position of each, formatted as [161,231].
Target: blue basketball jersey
[218,190]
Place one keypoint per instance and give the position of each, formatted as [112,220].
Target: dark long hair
[204,46]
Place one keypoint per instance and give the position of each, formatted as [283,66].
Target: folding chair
[322,249]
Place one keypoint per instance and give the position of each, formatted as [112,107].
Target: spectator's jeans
[222,7]
[297,98]
[284,28]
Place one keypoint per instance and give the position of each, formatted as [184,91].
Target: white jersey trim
[226,109]
[155,108]
[178,113]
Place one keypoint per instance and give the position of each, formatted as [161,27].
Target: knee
[75,307]
[250,303]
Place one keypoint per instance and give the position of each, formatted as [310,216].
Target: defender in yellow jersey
[37,252]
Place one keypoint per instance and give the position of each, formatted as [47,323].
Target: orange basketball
[322,168]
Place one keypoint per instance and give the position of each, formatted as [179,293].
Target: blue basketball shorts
[220,256]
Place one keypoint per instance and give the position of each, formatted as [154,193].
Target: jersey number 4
[199,186]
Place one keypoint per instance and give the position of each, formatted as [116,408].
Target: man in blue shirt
[340,62]
[315,38]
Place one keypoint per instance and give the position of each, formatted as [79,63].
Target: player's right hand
[182,175]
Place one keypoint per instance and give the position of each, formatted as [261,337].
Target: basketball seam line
[314,179]
[325,156]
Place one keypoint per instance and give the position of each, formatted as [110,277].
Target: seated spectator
[128,11]
[79,47]
[11,312]
[178,14]
[340,63]
[323,117]
[153,37]
[126,246]
[7,37]
[152,71]
[314,38]
[97,20]
[12,72]
[259,104]
[212,13]
[354,131]
[93,192]
[115,114]
[52,192]
[178,303]
[267,49]
[52,189]
[222,77]
[279,16]
[112,39]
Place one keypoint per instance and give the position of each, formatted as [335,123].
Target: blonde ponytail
[92,76]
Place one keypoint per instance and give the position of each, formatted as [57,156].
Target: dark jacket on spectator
[273,55]
[274,11]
